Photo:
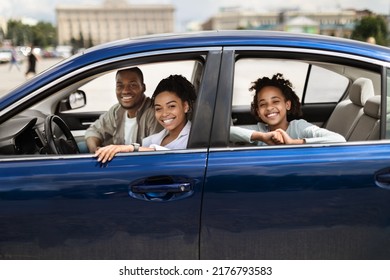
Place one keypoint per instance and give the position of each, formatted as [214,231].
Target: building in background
[338,23]
[115,19]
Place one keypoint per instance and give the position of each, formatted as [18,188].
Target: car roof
[233,38]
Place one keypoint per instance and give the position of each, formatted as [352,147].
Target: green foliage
[371,26]
[81,42]
[42,34]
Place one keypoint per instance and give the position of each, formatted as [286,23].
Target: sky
[190,10]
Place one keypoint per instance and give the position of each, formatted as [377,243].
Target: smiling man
[128,121]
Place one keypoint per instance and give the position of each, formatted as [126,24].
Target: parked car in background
[63,51]
[216,199]
[5,55]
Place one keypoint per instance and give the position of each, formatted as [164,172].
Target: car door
[142,205]
[293,202]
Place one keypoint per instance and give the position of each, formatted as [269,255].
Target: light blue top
[297,129]
[154,140]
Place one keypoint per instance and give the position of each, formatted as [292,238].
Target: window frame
[317,56]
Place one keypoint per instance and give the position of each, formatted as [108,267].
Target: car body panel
[319,203]
[78,209]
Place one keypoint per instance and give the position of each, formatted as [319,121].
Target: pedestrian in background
[31,63]
[14,60]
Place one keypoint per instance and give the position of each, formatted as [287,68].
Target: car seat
[347,113]
[368,125]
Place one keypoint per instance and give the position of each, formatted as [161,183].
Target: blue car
[217,199]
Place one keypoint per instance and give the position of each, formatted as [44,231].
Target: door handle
[165,191]
[163,188]
[382,178]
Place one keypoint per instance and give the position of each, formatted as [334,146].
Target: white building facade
[337,23]
[111,21]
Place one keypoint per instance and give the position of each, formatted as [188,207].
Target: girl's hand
[270,138]
[107,153]
[277,138]
[287,139]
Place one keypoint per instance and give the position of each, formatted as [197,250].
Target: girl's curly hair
[286,88]
[178,84]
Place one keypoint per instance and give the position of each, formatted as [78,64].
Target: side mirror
[75,100]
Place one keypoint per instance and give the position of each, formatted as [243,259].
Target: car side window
[81,103]
[319,92]
[321,87]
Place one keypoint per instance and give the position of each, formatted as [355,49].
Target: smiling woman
[172,101]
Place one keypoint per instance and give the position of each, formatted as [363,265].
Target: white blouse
[154,140]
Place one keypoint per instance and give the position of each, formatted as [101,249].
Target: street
[11,78]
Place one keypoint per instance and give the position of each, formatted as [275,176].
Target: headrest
[373,107]
[361,90]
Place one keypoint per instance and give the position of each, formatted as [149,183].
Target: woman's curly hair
[286,88]
[178,84]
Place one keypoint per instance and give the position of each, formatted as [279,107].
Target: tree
[42,34]
[18,33]
[2,35]
[371,26]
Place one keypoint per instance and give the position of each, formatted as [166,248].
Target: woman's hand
[107,153]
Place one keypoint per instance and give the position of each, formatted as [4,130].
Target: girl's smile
[272,107]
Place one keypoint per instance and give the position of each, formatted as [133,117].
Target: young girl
[275,104]
[172,100]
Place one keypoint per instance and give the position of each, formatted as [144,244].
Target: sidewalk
[10,79]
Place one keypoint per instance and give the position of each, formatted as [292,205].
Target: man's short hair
[133,69]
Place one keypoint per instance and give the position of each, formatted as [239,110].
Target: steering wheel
[59,137]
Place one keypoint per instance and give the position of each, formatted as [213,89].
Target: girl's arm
[317,134]
[239,134]
[306,132]
[270,138]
